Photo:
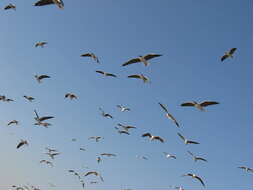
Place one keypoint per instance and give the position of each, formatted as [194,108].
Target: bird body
[29,98]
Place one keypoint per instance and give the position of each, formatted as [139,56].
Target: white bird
[94,173]
[199,106]
[140,76]
[123,108]
[126,127]
[91,55]
[142,157]
[71,96]
[108,154]
[52,155]
[168,115]
[21,143]
[196,158]
[10,6]
[195,177]
[107,115]
[186,141]
[59,3]
[40,44]
[106,74]
[39,78]
[151,137]
[29,98]
[47,162]
[169,155]
[246,169]
[97,138]
[13,122]
[142,59]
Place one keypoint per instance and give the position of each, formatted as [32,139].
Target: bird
[94,173]
[21,143]
[50,150]
[186,141]
[83,149]
[106,74]
[122,108]
[107,115]
[122,131]
[201,105]
[228,54]
[70,96]
[47,162]
[246,169]
[140,76]
[196,158]
[4,99]
[97,138]
[40,44]
[92,55]
[126,127]
[142,157]
[40,119]
[13,122]
[151,137]
[10,6]
[195,177]
[168,115]
[52,155]
[169,155]
[39,78]
[29,98]
[143,59]
[108,155]
[59,3]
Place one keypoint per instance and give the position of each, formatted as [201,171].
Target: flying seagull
[196,158]
[92,55]
[141,76]
[105,114]
[195,177]
[122,131]
[52,155]
[10,6]
[186,141]
[40,119]
[70,96]
[168,115]
[228,54]
[21,143]
[59,3]
[94,173]
[39,78]
[123,108]
[108,155]
[126,127]
[199,106]
[29,98]
[40,44]
[246,169]
[151,137]
[143,59]
[169,155]
[51,150]
[97,138]
[47,162]
[106,74]
[12,122]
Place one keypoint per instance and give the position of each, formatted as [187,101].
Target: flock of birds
[121,129]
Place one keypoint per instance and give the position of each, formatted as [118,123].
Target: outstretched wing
[201,181]
[101,72]
[111,75]
[193,142]
[173,119]
[163,107]
[187,104]
[181,136]
[151,56]
[232,51]
[190,153]
[135,60]
[44,2]
[159,138]
[208,103]
[46,118]
[224,57]
[199,158]
[146,135]
[134,76]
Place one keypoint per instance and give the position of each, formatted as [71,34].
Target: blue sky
[192,35]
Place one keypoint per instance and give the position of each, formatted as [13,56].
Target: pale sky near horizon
[191,35]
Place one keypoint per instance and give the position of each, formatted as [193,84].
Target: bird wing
[135,60]
[173,119]
[190,153]
[199,158]
[130,127]
[43,76]
[111,75]
[151,56]
[67,95]
[159,138]
[37,116]
[232,51]
[224,57]
[187,104]
[181,136]
[45,118]
[20,144]
[163,107]
[251,170]
[208,103]
[86,55]
[146,135]
[201,181]
[193,142]
[101,72]
[134,76]
[43,2]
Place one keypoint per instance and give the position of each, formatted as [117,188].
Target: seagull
[10,6]
[122,131]
[97,138]
[50,150]
[168,115]
[40,44]
[108,155]
[21,143]
[151,137]
[52,155]
[59,3]
[4,99]
[106,74]
[12,122]
[201,105]
[122,108]
[228,54]
[246,169]
[185,140]
[40,119]
[195,158]
[126,127]
[169,155]
[75,173]
[105,114]
[195,177]
[92,55]
[47,162]
[29,98]
[70,96]
[94,173]
[40,77]
[143,59]
[141,76]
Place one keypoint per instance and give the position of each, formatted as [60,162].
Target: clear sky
[192,35]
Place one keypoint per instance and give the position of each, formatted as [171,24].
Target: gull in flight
[151,137]
[126,127]
[228,54]
[40,44]
[13,122]
[122,131]
[70,96]
[40,119]
[4,99]
[105,114]
[29,98]
[59,3]
[108,155]
[169,155]
[47,162]
[246,169]
[97,138]
[39,78]
[52,155]
[201,105]
[186,141]
[196,158]
[142,59]
[122,108]
[106,74]
[50,150]
[195,177]
[141,76]
[168,115]
[21,143]
[10,6]
[92,55]
[94,173]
